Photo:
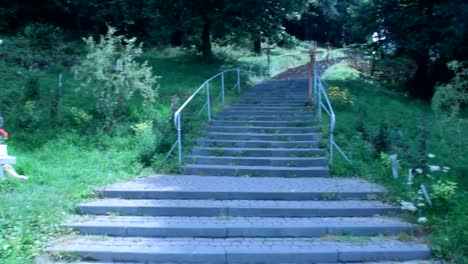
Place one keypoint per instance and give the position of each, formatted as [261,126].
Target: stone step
[270,104]
[240,188]
[271,93]
[256,108]
[268,108]
[268,130]
[258,161]
[245,208]
[263,136]
[223,227]
[257,171]
[258,152]
[267,113]
[267,118]
[263,123]
[257,144]
[295,103]
[239,250]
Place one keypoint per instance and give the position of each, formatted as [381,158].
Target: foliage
[453,96]
[65,160]
[146,142]
[444,189]
[339,98]
[113,76]
[44,36]
[431,152]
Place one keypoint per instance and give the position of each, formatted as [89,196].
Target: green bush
[44,36]
[113,76]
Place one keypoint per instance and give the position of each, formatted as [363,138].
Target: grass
[65,160]
[386,120]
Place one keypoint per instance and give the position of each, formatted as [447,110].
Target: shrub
[111,74]
[31,89]
[44,36]
[381,140]
[451,97]
[145,141]
[30,117]
[79,118]
[339,98]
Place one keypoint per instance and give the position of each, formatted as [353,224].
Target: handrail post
[208,104]
[222,87]
[238,80]
[319,89]
[319,100]
[179,138]
[330,161]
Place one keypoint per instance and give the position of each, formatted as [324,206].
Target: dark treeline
[430,32]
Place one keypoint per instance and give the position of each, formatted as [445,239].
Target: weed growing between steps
[381,122]
[66,158]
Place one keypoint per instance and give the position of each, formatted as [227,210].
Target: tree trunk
[206,39]
[258,44]
[421,85]
[176,38]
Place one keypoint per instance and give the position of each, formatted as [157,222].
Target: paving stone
[223,226]
[239,250]
[261,208]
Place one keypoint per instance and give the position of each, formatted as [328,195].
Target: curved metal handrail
[206,85]
[320,93]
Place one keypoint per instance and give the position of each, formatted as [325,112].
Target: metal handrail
[321,96]
[205,85]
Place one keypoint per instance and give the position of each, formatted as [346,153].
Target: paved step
[260,110]
[260,208]
[270,104]
[258,161]
[268,108]
[267,118]
[222,227]
[258,152]
[268,130]
[238,188]
[266,113]
[257,144]
[257,171]
[217,122]
[239,250]
[263,136]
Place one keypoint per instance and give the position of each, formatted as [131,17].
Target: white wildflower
[408,206]
[419,170]
[430,155]
[422,220]
[421,204]
[434,168]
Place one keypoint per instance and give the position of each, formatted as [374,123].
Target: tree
[264,19]
[431,32]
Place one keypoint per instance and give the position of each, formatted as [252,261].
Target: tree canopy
[432,32]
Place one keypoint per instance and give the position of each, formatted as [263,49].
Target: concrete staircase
[256,189]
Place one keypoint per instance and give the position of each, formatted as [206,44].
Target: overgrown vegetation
[431,151]
[68,153]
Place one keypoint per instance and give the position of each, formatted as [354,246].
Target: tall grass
[65,159]
[384,121]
